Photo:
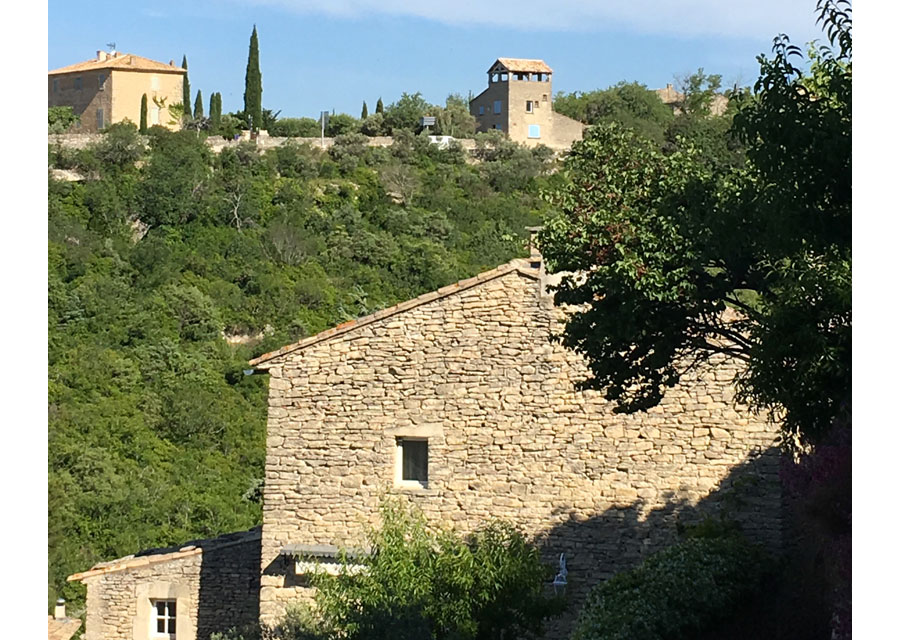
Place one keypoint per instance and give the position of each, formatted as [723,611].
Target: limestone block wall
[214,589]
[508,436]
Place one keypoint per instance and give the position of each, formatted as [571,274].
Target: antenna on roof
[111,46]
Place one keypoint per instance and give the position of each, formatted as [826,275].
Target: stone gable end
[475,374]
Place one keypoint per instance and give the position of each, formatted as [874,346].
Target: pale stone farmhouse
[519,102]
[109,88]
[459,401]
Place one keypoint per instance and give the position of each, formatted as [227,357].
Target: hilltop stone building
[519,102]
[109,88]
[459,401]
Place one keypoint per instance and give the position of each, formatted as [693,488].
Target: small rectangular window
[154,115]
[78,83]
[481,110]
[529,106]
[99,119]
[55,85]
[544,97]
[534,131]
[412,462]
[154,83]
[101,78]
[496,106]
[163,619]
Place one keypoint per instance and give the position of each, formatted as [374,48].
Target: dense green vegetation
[421,583]
[680,592]
[155,434]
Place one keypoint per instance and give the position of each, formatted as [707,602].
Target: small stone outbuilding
[185,593]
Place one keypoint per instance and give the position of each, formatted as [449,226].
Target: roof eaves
[519,265]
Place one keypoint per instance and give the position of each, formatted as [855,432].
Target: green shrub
[423,583]
[676,593]
[296,128]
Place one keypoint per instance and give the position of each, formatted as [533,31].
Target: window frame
[498,107]
[529,106]
[76,83]
[101,81]
[534,128]
[169,618]
[400,459]
[481,110]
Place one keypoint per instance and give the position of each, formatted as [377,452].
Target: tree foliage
[186,88]
[198,106]
[630,104]
[680,592]
[253,85]
[143,126]
[663,244]
[59,119]
[420,583]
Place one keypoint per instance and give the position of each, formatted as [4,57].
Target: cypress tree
[253,84]
[198,106]
[143,128]
[186,91]
[365,111]
[379,108]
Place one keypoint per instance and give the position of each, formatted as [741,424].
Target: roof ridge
[520,265]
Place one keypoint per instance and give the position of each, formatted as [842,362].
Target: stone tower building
[519,102]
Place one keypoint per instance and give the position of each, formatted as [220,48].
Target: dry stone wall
[475,372]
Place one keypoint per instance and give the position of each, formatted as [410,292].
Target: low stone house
[459,401]
[178,593]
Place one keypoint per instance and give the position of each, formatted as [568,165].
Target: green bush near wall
[679,592]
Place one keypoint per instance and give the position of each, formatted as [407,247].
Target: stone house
[180,593]
[519,101]
[459,402]
[109,88]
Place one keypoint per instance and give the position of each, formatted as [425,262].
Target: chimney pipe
[59,612]
[101,56]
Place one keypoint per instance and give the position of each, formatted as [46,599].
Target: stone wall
[472,369]
[215,588]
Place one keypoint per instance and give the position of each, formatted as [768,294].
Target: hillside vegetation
[156,435]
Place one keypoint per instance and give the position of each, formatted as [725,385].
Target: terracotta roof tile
[525,66]
[124,61]
[519,265]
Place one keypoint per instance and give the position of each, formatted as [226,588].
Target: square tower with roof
[519,102]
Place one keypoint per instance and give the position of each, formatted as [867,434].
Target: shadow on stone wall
[228,582]
[621,537]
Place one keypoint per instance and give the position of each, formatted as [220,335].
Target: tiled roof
[124,61]
[155,556]
[522,266]
[524,66]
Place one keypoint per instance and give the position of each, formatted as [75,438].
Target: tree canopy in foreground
[680,259]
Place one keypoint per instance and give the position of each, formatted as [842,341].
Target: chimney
[59,612]
[171,63]
[101,56]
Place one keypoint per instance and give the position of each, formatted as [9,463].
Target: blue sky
[335,54]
